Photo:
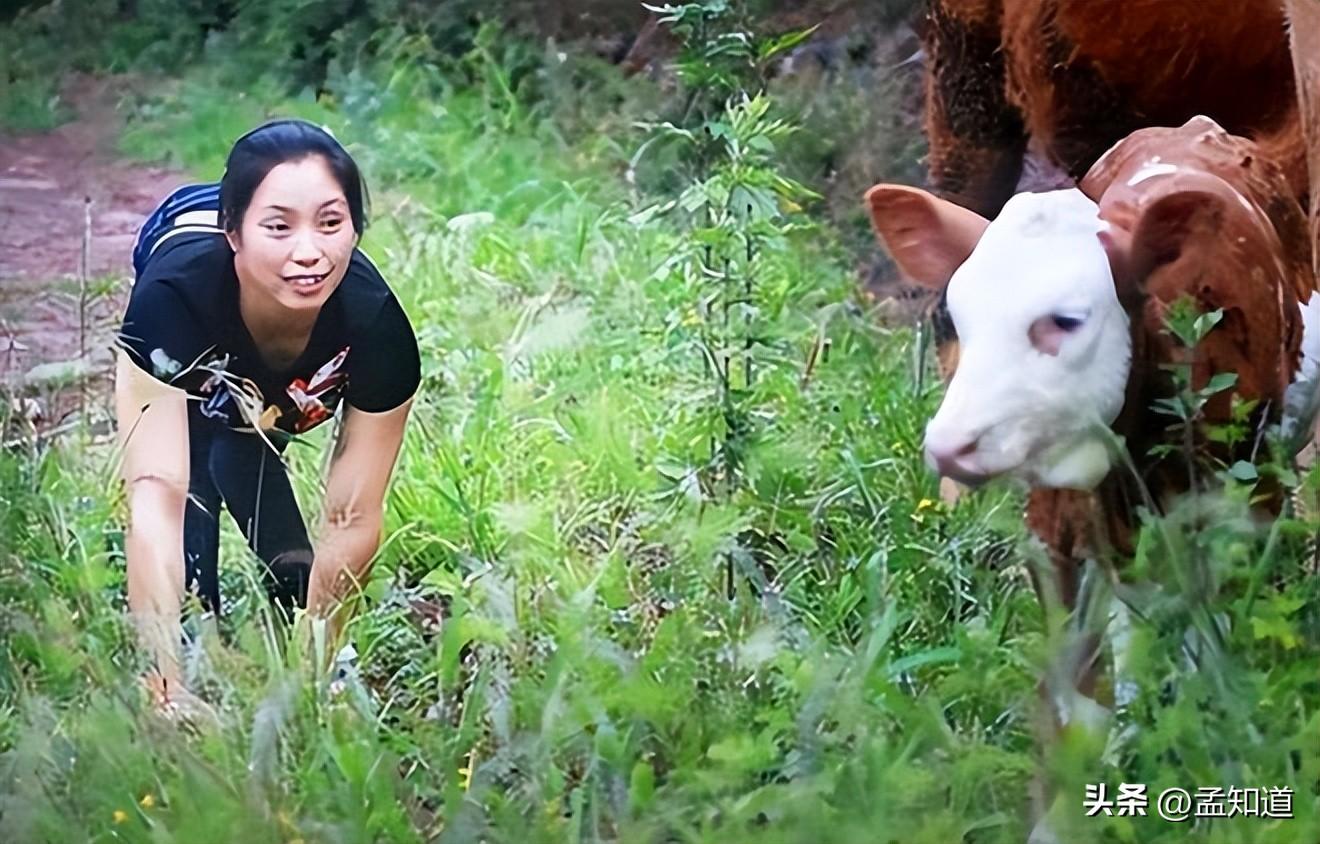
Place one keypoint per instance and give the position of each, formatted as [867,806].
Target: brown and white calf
[1059,304]
[1025,95]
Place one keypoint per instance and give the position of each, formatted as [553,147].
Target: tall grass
[546,650]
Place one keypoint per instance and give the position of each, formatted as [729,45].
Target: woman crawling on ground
[252,318]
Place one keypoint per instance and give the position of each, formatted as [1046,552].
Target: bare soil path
[46,181]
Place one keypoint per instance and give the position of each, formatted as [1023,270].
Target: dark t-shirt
[183,326]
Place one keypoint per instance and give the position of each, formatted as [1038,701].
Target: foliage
[736,207]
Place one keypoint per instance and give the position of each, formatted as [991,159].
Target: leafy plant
[736,207]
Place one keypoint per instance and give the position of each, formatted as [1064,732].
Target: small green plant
[721,56]
[1187,406]
[736,207]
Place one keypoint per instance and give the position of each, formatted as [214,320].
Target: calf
[1026,94]
[1060,305]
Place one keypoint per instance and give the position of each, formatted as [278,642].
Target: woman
[252,317]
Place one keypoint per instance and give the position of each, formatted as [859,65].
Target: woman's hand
[172,701]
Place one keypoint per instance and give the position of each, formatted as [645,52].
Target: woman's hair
[262,149]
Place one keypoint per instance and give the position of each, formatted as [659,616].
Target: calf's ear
[1172,225]
[928,237]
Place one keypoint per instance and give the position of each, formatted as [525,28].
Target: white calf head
[1045,347]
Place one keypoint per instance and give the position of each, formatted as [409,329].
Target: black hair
[262,149]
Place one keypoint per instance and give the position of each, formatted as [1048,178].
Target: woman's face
[295,240]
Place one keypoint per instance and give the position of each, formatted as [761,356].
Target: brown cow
[1077,76]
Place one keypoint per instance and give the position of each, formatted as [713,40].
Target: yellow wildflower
[285,821]
[466,771]
[924,503]
[120,816]
[147,801]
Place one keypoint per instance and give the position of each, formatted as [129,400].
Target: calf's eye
[1048,332]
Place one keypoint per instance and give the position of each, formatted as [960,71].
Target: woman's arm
[360,469]
[153,435]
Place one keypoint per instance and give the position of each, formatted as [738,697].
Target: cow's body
[1304,35]
[1073,77]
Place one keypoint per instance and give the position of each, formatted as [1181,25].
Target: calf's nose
[948,454]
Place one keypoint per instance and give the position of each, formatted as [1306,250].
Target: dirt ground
[45,182]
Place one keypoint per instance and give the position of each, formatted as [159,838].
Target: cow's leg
[1121,644]
[1067,691]
[1063,522]
[1076,609]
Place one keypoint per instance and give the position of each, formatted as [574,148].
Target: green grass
[871,679]
[31,106]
